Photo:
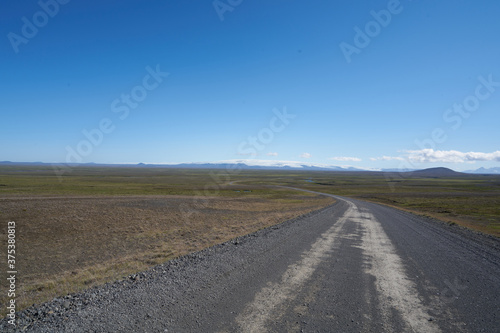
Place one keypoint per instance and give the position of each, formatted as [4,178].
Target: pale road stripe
[395,290]
[268,300]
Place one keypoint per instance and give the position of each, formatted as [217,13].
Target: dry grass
[66,244]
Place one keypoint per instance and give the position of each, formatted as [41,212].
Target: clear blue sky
[365,100]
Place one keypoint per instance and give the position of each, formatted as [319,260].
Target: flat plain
[100,224]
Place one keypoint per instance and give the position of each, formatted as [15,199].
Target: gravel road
[351,267]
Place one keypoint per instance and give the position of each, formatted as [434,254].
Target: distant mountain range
[485,171]
[221,165]
[255,166]
[273,165]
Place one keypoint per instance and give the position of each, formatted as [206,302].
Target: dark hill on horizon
[435,173]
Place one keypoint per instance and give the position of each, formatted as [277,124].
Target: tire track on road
[395,291]
[269,300]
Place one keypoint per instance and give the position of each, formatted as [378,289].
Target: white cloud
[441,156]
[387,158]
[450,156]
[272,154]
[345,159]
[252,162]
[305,155]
